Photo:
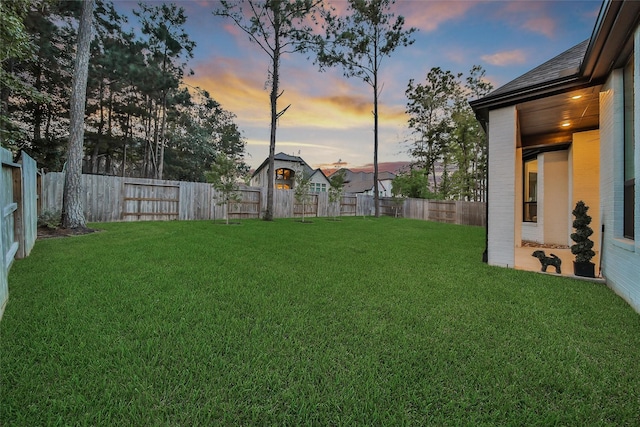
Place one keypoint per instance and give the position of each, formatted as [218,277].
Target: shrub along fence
[18,214]
[111,198]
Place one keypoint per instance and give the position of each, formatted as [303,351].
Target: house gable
[289,165]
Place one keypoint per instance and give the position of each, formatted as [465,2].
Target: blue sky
[330,116]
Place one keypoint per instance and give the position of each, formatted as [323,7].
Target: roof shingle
[564,65]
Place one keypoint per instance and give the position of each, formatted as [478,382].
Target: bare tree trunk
[275,79]
[376,193]
[72,209]
[163,124]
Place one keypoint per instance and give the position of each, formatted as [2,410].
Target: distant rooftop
[286,158]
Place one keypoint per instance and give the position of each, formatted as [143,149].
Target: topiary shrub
[582,248]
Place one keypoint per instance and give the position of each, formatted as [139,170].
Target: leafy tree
[302,188]
[15,39]
[200,132]
[358,42]
[413,184]
[14,46]
[72,211]
[137,104]
[167,44]
[429,108]
[224,175]
[279,27]
[447,133]
[114,55]
[468,140]
[39,105]
[336,187]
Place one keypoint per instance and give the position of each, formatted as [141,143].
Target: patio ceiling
[541,120]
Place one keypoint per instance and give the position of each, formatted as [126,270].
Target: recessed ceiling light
[566,125]
[576,97]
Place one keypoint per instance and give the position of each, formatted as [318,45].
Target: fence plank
[18,214]
[6,224]
[29,203]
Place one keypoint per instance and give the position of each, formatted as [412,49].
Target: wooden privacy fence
[18,214]
[111,198]
[450,211]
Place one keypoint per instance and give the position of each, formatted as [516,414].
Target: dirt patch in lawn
[49,233]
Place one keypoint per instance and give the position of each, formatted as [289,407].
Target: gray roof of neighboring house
[386,175]
[365,176]
[359,182]
[358,186]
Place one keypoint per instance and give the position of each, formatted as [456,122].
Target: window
[283,174]
[530,208]
[284,179]
[316,187]
[629,151]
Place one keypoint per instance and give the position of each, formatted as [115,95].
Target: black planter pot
[584,269]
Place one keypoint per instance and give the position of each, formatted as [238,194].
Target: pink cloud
[509,57]
[457,55]
[425,15]
[533,16]
[429,15]
[543,24]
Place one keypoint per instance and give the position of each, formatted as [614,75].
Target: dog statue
[547,261]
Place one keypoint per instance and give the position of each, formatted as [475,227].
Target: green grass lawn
[355,322]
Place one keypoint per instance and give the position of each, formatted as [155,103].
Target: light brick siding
[530,233]
[620,257]
[556,188]
[502,184]
[522,233]
[585,153]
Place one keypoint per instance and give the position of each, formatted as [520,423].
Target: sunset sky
[330,118]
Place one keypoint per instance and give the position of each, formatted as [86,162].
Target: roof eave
[482,106]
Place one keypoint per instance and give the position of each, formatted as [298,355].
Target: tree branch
[282,111]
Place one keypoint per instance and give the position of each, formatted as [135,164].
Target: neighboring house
[286,167]
[567,131]
[362,183]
